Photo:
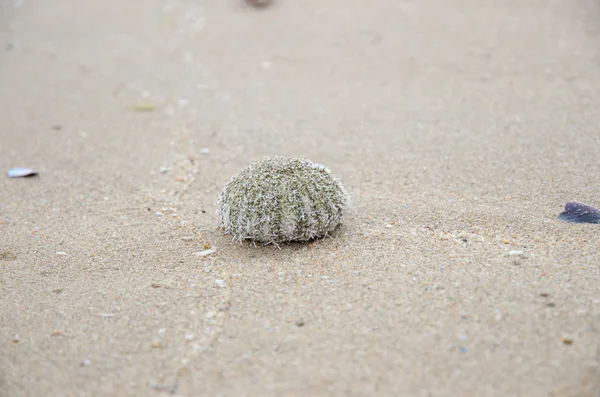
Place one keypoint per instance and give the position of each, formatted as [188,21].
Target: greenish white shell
[282,199]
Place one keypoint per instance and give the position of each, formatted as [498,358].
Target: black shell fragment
[579,213]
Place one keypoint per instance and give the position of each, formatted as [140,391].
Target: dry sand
[459,127]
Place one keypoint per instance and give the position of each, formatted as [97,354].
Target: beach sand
[459,128]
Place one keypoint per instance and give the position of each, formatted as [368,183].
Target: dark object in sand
[21,172]
[579,213]
[258,3]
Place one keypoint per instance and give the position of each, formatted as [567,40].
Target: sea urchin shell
[282,199]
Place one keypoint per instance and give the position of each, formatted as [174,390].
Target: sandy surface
[460,128]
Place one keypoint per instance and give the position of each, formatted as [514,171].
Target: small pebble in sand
[205,151]
[567,340]
[85,363]
[579,213]
[514,253]
[142,107]
[220,283]
[258,3]
[498,316]
[6,255]
[20,172]
[205,252]
[16,338]
[106,314]
[155,344]
[62,253]
[299,322]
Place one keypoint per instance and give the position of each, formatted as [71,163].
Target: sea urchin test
[281,199]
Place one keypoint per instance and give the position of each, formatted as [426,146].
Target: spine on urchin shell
[282,199]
